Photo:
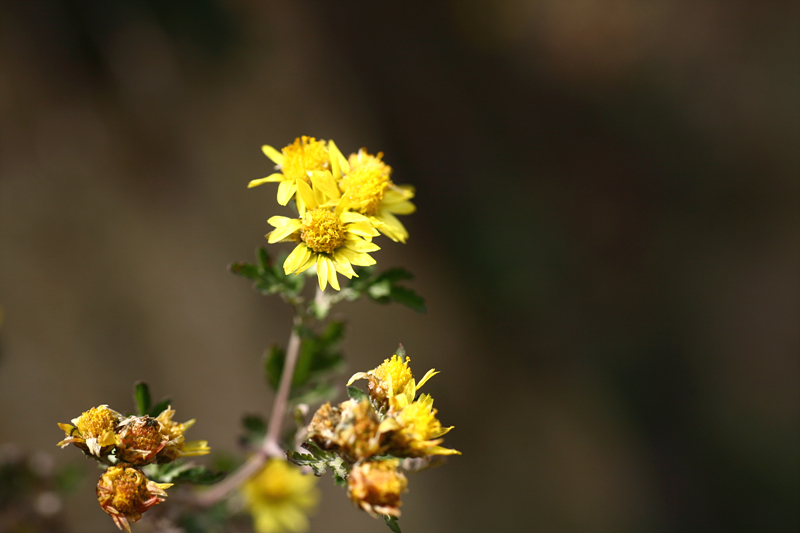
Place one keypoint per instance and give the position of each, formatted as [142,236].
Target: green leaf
[254,424]
[159,408]
[409,298]
[180,472]
[141,397]
[394,274]
[356,394]
[391,521]
[246,270]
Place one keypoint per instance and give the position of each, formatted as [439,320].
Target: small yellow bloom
[333,239]
[176,445]
[375,486]
[351,428]
[392,379]
[93,431]
[365,182]
[125,493]
[306,160]
[414,431]
[280,497]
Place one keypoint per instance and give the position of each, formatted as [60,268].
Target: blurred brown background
[608,237]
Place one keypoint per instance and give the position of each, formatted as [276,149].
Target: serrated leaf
[391,521]
[262,257]
[394,274]
[141,397]
[356,394]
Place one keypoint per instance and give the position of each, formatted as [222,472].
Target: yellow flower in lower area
[280,497]
[125,493]
[375,486]
[365,183]
[93,431]
[306,160]
[414,431]
[391,379]
[330,238]
[176,445]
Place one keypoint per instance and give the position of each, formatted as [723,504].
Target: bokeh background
[607,235]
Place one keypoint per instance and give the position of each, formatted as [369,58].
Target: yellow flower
[330,238]
[306,160]
[390,379]
[176,445]
[375,487]
[93,431]
[415,431]
[351,428]
[280,497]
[125,493]
[365,183]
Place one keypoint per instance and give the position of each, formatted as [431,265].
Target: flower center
[96,421]
[322,231]
[306,153]
[366,183]
[130,491]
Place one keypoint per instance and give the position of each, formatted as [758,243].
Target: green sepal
[141,398]
[356,394]
[391,521]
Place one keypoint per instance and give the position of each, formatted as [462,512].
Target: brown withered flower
[125,493]
[375,487]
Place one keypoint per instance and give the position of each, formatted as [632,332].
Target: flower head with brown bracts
[391,378]
[125,493]
[177,446]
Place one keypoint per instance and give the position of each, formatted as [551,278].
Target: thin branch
[271,446]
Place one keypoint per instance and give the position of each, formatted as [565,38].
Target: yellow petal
[279,221]
[343,265]
[323,180]
[272,177]
[285,191]
[273,154]
[360,245]
[352,216]
[356,377]
[428,375]
[305,194]
[279,234]
[333,279]
[390,226]
[322,272]
[401,208]
[357,258]
[296,259]
[363,228]
[335,155]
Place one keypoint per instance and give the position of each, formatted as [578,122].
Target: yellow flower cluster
[123,490]
[391,422]
[342,204]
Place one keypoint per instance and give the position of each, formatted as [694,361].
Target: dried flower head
[125,493]
[93,431]
[139,439]
[351,428]
[375,486]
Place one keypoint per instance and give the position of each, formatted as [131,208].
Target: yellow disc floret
[96,421]
[365,184]
[322,231]
[303,155]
